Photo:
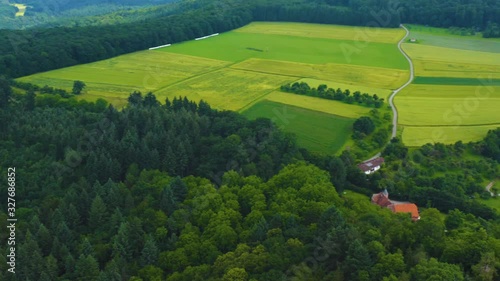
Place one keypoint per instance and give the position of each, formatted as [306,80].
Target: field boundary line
[395,92]
[463,125]
[268,73]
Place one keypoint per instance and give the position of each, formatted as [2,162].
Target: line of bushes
[302,88]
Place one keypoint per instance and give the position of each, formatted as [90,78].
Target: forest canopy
[181,191]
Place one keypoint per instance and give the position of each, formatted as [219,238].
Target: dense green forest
[181,191]
[24,52]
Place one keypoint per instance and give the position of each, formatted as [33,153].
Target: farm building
[371,166]
[382,199]
[413,40]
[406,208]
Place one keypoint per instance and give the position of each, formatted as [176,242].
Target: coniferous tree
[149,254]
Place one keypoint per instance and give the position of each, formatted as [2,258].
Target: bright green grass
[456,81]
[238,46]
[316,131]
[418,136]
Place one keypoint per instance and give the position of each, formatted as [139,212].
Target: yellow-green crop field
[227,88]
[455,95]
[114,79]
[376,77]
[418,136]
[240,69]
[362,34]
[448,62]
[325,106]
[382,93]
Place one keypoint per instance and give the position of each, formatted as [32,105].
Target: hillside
[183,191]
[250,140]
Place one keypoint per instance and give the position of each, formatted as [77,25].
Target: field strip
[194,77]
[356,34]
[267,72]
[432,53]
[316,104]
[418,136]
[227,88]
[451,126]
[375,77]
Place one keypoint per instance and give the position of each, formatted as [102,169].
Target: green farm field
[456,81]
[455,94]
[375,77]
[362,34]
[320,105]
[441,37]
[239,46]
[317,131]
[418,136]
[242,68]
[438,105]
[114,79]
[227,88]
[382,93]
[457,56]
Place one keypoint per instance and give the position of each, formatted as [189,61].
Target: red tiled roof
[381,199]
[406,208]
[368,165]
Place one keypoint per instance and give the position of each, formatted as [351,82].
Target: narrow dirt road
[395,92]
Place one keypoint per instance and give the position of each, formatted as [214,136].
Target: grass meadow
[317,131]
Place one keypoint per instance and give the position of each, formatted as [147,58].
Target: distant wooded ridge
[24,52]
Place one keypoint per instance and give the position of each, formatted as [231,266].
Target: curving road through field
[395,92]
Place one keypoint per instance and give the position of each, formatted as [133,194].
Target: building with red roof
[382,199]
[406,208]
